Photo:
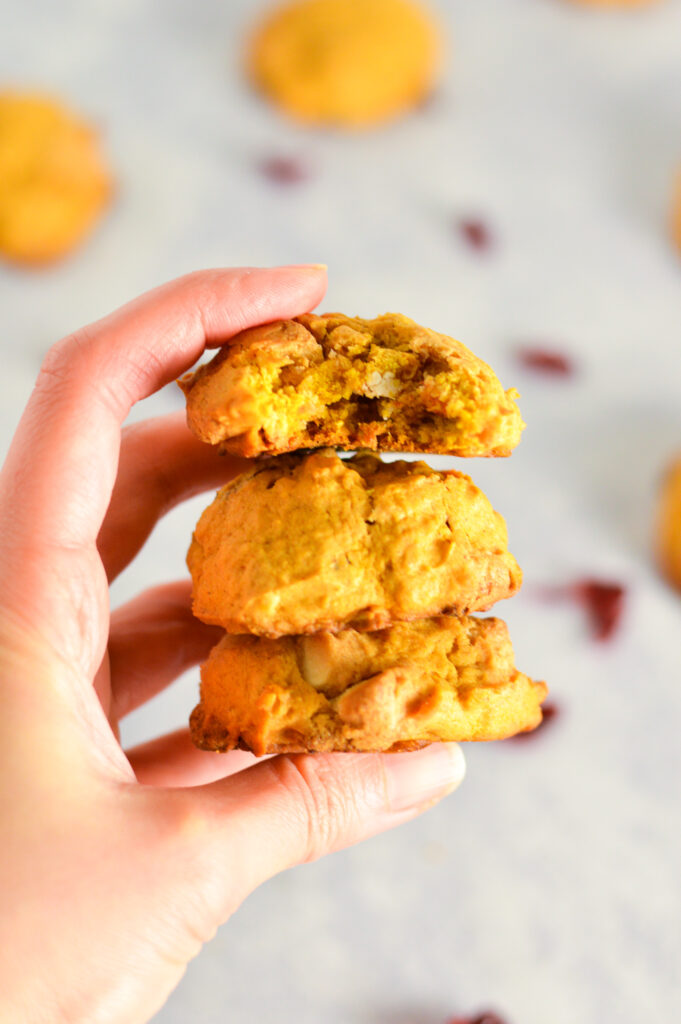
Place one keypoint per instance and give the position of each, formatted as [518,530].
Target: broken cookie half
[386,384]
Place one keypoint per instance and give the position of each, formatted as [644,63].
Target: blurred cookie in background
[668,524]
[676,211]
[347,63]
[54,182]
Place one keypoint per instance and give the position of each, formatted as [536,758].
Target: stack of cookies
[345,586]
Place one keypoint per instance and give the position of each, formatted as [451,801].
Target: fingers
[153,639]
[292,809]
[173,760]
[57,481]
[161,464]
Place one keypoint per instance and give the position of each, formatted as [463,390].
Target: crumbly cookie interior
[343,381]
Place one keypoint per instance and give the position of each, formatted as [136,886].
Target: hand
[116,867]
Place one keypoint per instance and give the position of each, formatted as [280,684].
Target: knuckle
[327,804]
[62,358]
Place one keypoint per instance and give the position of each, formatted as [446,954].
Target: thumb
[292,809]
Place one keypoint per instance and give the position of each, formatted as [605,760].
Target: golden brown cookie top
[304,543]
[53,179]
[420,682]
[348,63]
[346,382]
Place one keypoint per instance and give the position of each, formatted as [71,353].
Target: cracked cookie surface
[440,679]
[386,384]
[311,542]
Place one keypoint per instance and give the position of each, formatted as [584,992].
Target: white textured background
[548,887]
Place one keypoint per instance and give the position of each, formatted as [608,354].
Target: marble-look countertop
[547,887]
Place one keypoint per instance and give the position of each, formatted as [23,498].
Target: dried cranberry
[482,1018]
[549,711]
[547,361]
[604,604]
[602,600]
[476,233]
[284,170]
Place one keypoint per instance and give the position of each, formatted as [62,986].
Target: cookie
[348,63]
[386,384]
[303,543]
[668,528]
[54,182]
[414,683]
[676,212]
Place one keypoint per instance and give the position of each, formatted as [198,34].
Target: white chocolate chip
[381,385]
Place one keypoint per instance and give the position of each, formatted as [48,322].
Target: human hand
[116,867]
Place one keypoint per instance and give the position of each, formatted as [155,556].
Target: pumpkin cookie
[350,63]
[439,679]
[53,180]
[676,212]
[303,543]
[668,529]
[386,384]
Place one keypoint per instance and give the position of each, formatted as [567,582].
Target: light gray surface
[548,887]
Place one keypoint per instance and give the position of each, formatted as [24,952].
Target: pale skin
[116,866]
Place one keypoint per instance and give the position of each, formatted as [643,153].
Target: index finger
[59,474]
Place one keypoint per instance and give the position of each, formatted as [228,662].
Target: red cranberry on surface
[604,604]
[284,170]
[547,361]
[476,233]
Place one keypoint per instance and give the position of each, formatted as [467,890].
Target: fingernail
[422,777]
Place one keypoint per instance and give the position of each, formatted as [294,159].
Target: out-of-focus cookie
[54,182]
[349,63]
[303,543]
[676,212]
[386,384]
[438,679]
[668,527]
